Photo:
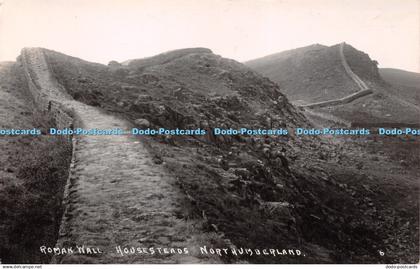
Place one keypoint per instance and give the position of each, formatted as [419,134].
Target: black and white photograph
[209,132]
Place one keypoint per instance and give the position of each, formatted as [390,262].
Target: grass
[32,204]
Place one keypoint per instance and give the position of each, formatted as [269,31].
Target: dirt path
[116,195]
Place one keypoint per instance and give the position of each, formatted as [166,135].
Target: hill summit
[315,73]
[318,73]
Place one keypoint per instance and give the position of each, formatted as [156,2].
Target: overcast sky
[104,30]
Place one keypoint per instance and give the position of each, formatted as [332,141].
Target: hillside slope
[163,57]
[400,77]
[311,74]
[405,83]
[33,172]
[315,73]
[253,191]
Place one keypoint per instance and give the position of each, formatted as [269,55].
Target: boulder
[114,64]
[141,98]
[142,123]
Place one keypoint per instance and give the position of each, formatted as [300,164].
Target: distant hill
[405,83]
[311,73]
[400,77]
[315,73]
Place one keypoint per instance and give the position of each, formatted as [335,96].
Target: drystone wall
[363,88]
[42,98]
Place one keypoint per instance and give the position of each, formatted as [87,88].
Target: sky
[105,30]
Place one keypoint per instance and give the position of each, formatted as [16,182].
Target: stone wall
[363,88]
[115,193]
[63,117]
[360,83]
[341,101]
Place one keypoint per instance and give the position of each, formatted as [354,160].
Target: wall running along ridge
[43,98]
[115,194]
[364,89]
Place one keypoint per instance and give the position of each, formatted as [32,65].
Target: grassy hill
[404,83]
[311,73]
[163,57]
[400,77]
[254,191]
[315,73]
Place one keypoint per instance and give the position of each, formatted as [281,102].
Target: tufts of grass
[32,205]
